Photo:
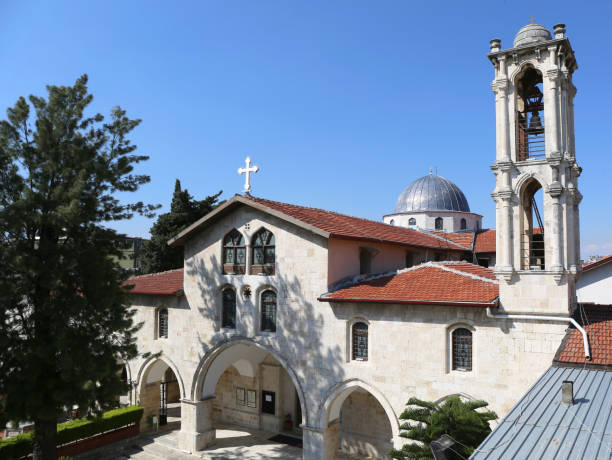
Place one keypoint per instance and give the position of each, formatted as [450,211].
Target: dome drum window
[263,253]
[234,254]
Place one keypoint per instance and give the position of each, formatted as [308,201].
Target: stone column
[500,86]
[321,444]
[508,232]
[551,106]
[197,430]
[557,235]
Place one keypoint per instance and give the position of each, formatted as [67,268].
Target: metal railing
[530,134]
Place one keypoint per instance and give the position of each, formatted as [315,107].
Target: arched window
[462,349]
[228,313]
[412,221]
[530,115]
[439,223]
[162,323]
[532,227]
[234,253]
[263,252]
[268,311]
[392,222]
[463,224]
[360,341]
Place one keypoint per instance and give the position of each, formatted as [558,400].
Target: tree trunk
[44,443]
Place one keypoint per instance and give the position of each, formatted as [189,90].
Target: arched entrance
[159,391]
[243,384]
[357,420]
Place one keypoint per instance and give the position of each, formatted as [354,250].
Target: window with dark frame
[163,323]
[360,341]
[268,311]
[463,224]
[234,253]
[263,252]
[439,223]
[228,314]
[462,349]
[412,221]
[365,261]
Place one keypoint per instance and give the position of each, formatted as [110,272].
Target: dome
[531,33]
[432,193]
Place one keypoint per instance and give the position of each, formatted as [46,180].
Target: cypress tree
[64,318]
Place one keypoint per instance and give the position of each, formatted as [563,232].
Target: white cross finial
[247,172]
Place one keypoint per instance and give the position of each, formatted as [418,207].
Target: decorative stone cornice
[504,273]
[500,86]
[555,189]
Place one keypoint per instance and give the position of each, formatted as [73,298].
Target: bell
[535,122]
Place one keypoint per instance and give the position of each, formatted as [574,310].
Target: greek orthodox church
[296,320]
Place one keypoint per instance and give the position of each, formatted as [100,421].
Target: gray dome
[432,193]
[531,33]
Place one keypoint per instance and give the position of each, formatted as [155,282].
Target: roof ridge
[459,272]
[404,229]
[156,273]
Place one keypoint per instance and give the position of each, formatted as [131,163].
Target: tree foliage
[426,421]
[64,317]
[157,256]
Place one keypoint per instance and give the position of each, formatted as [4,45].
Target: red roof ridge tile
[155,274]
[597,263]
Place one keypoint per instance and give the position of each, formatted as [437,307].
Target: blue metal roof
[432,193]
[540,426]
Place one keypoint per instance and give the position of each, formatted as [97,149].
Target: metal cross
[247,172]
[532,19]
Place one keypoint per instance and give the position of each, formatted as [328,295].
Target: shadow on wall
[298,338]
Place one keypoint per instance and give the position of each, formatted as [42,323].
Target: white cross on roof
[247,172]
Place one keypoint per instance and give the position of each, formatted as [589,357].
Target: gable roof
[485,241]
[431,283]
[465,239]
[597,321]
[163,283]
[597,263]
[540,426]
[328,224]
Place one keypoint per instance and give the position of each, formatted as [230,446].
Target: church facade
[316,324]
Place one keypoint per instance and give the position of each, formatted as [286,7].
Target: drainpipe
[565,319]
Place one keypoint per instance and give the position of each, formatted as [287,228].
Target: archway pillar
[321,444]
[197,430]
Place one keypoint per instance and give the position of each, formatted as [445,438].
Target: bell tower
[536,193]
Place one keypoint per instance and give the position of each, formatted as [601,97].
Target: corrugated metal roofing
[540,426]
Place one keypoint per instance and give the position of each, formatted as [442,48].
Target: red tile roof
[443,283]
[343,226]
[485,241]
[597,263]
[164,283]
[598,325]
[465,239]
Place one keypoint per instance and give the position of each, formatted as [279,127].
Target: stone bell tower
[538,247]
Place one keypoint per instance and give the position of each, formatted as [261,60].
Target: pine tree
[64,316]
[426,421]
[157,256]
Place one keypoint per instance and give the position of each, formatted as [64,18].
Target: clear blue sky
[342,104]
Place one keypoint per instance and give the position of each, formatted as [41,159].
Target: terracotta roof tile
[163,283]
[465,239]
[598,325]
[597,263]
[447,283]
[485,241]
[343,226]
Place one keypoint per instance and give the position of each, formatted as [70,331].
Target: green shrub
[21,445]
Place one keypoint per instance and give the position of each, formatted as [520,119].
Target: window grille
[163,323]
[234,251]
[462,349]
[360,341]
[268,311]
[263,247]
[229,309]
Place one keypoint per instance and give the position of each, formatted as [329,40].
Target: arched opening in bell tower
[532,226]
[530,141]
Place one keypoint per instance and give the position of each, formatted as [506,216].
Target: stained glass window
[360,341]
[263,248]
[229,309]
[163,323]
[268,311]
[462,349]
[234,251]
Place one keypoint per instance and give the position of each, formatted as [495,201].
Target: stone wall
[225,406]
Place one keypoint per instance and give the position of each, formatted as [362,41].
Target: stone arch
[329,409]
[520,182]
[532,244]
[147,365]
[215,361]
[533,63]
[464,396]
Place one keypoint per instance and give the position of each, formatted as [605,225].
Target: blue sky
[342,104]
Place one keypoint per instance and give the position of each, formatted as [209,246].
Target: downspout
[585,338]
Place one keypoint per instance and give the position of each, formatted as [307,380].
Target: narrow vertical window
[263,252]
[268,311]
[463,224]
[462,349]
[163,323]
[439,223]
[360,342]
[228,315]
[234,253]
